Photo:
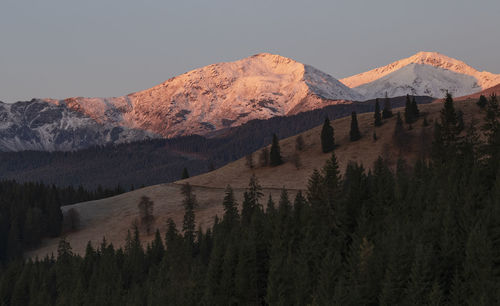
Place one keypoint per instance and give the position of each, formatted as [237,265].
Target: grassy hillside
[158,161]
[112,217]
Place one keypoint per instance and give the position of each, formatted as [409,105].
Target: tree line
[421,234]
[32,211]
[163,160]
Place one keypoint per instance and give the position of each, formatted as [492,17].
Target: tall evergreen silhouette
[354,133]
[327,137]
[377,116]
[185,174]
[409,111]
[275,154]
[387,112]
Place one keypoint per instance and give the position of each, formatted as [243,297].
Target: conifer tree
[189,202]
[231,216]
[377,115]
[354,134]
[414,108]
[327,137]
[448,122]
[409,116]
[275,153]
[399,122]
[251,200]
[264,157]
[270,207]
[299,143]
[157,250]
[331,178]
[387,111]
[147,218]
[482,101]
[185,174]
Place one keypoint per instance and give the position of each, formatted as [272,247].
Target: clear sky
[63,48]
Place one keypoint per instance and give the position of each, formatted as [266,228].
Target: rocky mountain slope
[38,125]
[425,73]
[200,101]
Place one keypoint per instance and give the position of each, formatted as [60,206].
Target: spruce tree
[414,108]
[387,112]
[354,134]
[189,202]
[275,153]
[231,216]
[409,118]
[448,122]
[331,177]
[327,137]
[482,101]
[377,115]
[185,174]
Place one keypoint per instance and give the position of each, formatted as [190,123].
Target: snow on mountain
[197,102]
[219,96]
[444,73]
[420,80]
[38,125]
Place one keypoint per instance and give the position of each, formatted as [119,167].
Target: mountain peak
[435,59]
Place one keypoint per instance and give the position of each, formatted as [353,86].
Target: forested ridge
[158,161]
[423,234]
[32,211]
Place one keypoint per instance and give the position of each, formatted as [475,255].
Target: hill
[112,217]
[156,161]
[487,92]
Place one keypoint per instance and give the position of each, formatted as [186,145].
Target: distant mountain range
[423,74]
[223,95]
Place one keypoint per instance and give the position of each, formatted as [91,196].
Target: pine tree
[482,101]
[399,132]
[189,202]
[249,161]
[387,112]
[54,213]
[449,122]
[377,115]
[270,207]
[147,218]
[299,143]
[251,199]
[157,250]
[185,174]
[327,137]
[414,108]
[264,157]
[275,153]
[409,116]
[354,134]
[332,179]
[231,216]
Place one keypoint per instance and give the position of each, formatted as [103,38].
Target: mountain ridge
[485,79]
[199,101]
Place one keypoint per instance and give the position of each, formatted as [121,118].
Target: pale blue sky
[63,48]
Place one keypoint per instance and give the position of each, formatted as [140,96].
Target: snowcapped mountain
[38,125]
[425,73]
[197,102]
